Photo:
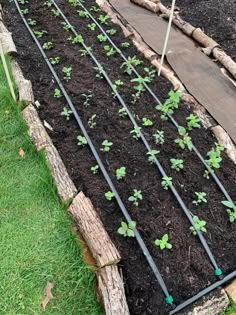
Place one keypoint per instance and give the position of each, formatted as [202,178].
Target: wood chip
[48,294]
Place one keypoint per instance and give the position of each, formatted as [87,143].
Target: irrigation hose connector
[218,272]
[169,300]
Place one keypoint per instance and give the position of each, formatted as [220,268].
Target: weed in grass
[177,164]
[106,146]
[135,197]
[127,229]
[201,197]
[198,226]
[163,243]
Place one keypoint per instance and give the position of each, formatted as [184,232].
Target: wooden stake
[7,73]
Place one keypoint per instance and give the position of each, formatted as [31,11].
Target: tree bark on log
[24,86]
[147,4]
[92,230]
[111,289]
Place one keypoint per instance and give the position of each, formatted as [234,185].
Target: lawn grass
[231,310]
[36,243]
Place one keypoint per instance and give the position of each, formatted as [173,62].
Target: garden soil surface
[186,268]
[217,18]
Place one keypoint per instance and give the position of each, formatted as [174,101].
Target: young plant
[24,11]
[94,169]
[31,22]
[57,93]
[166,182]
[214,159]
[67,73]
[231,210]
[83,14]
[109,195]
[130,63]
[185,141]
[66,26]
[94,9]
[66,113]
[139,87]
[101,38]
[114,86]
[92,26]
[85,52]
[82,141]
[150,73]
[170,104]
[91,122]
[200,198]
[163,242]
[106,146]
[177,164]
[103,19]
[124,45]
[111,32]
[55,12]
[121,173]
[88,98]
[147,122]
[99,71]
[159,137]
[40,34]
[198,225]
[54,60]
[76,40]
[193,122]
[136,133]
[127,229]
[122,112]
[73,2]
[22,2]
[48,4]
[110,51]
[135,197]
[47,46]
[152,155]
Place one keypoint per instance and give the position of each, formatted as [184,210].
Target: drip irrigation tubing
[217,270]
[215,177]
[138,237]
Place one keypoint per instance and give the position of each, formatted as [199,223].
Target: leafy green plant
[150,73]
[57,93]
[130,63]
[214,159]
[200,198]
[163,242]
[92,26]
[47,46]
[109,195]
[111,31]
[185,141]
[91,122]
[177,164]
[135,197]
[24,11]
[193,122]
[147,122]
[55,12]
[48,3]
[66,26]
[54,60]
[110,51]
[140,81]
[85,52]
[166,182]
[94,169]
[120,173]
[170,104]
[124,45]
[99,71]
[231,210]
[103,19]
[159,137]
[22,2]
[136,133]
[101,38]
[40,34]
[32,22]
[73,2]
[66,113]
[94,9]
[127,229]
[82,141]
[83,14]
[114,87]
[76,40]
[122,112]
[152,155]
[198,225]
[88,98]
[106,146]
[67,73]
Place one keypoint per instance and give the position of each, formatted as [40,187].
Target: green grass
[36,243]
[231,310]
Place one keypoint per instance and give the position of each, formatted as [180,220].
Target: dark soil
[217,18]
[185,269]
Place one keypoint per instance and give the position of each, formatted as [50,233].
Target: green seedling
[166,182]
[66,26]
[231,210]
[67,73]
[103,19]
[130,63]
[177,164]
[136,133]
[127,229]
[83,14]
[198,225]
[55,12]
[106,146]
[54,60]
[66,113]
[185,141]
[40,34]
[76,40]
[147,122]
[124,45]
[92,26]
[73,2]
[139,87]
[48,4]
[22,2]
[150,73]
[111,32]
[163,242]
[114,86]
[91,122]
[47,46]
[110,51]
[94,169]
[88,98]
[94,9]
[32,22]
[159,137]
[121,173]
[152,155]
[200,198]
[122,112]
[82,141]
[214,159]
[57,93]
[193,122]
[135,197]
[170,104]
[85,52]
[99,71]
[109,195]
[24,11]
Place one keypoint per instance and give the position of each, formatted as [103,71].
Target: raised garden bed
[185,268]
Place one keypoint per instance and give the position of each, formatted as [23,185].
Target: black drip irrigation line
[215,177]
[217,270]
[168,298]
